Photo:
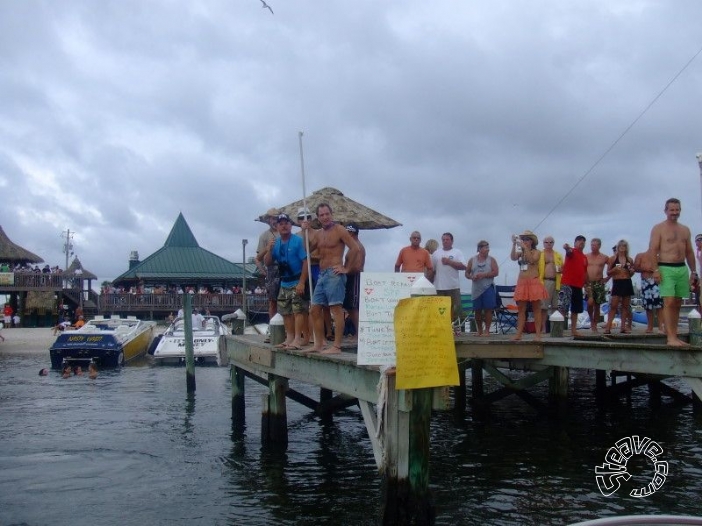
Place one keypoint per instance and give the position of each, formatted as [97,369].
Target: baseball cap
[284,217]
[351,227]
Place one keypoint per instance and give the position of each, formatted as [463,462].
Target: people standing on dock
[288,252]
[650,293]
[413,258]
[550,267]
[447,262]
[671,247]
[353,280]
[331,241]
[270,273]
[482,269]
[529,289]
[595,292]
[620,267]
[572,282]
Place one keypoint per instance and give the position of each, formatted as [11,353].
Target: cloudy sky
[481,118]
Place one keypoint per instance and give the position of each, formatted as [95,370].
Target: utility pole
[68,250]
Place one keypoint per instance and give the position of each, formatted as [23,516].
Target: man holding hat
[289,253]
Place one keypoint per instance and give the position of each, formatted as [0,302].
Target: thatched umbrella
[344,209]
[11,253]
[76,268]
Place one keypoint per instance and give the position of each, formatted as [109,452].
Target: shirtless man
[595,286]
[644,264]
[330,243]
[670,248]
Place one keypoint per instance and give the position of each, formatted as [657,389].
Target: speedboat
[108,342]
[209,344]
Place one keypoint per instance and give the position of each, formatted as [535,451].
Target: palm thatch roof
[344,210]
[76,268]
[12,253]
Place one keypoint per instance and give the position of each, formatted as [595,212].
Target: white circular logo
[610,474]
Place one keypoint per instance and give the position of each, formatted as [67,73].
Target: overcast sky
[477,118]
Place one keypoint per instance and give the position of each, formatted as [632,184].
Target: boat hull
[105,350]
[209,345]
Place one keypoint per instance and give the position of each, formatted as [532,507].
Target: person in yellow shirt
[550,266]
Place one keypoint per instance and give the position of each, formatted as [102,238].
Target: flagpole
[305,211]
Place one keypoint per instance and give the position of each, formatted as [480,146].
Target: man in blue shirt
[288,252]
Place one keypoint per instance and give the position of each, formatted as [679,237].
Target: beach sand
[23,341]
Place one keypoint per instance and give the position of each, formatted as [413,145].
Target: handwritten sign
[426,352]
[380,293]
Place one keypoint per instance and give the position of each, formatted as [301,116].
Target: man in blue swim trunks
[671,247]
[330,243]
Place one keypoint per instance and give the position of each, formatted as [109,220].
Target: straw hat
[272,212]
[531,235]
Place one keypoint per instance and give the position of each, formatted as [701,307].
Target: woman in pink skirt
[529,288]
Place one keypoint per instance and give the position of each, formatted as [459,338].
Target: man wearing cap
[572,282]
[289,253]
[353,279]
[414,258]
[271,272]
[330,242]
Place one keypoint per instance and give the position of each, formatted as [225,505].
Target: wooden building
[154,288]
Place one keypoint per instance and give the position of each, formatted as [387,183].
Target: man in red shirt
[573,280]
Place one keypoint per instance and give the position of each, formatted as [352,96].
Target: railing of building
[123,302]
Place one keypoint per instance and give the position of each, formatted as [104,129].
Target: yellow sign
[425,348]
[7,278]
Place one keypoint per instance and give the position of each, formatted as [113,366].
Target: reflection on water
[131,447]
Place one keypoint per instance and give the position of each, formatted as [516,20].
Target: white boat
[209,344]
[108,342]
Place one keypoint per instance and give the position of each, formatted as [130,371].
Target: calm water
[130,448]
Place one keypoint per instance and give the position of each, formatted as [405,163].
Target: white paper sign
[380,293]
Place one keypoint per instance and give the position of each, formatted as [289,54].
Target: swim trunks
[650,294]
[551,302]
[290,302]
[487,300]
[596,291]
[570,297]
[675,281]
[330,289]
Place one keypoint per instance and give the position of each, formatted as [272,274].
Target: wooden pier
[398,420]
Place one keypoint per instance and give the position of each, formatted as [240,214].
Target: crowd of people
[573,281]
[314,304]
[570,281]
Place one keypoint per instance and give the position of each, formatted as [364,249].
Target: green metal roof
[182,260]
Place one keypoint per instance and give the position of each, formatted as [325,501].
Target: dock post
[557,322]
[558,383]
[238,399]
[274,419]
[405,469]
[189,351]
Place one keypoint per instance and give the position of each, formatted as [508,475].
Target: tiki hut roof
[345,210]
[76,267]
[12,253]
